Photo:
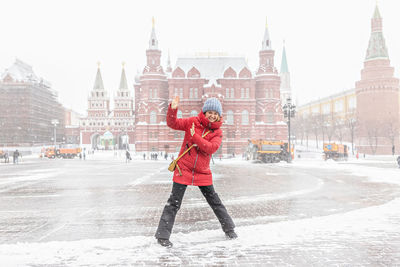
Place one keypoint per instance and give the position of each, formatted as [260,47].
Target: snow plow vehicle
[66,153]
[268,151]
[335,151]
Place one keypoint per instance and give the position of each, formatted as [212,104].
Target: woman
[193,168]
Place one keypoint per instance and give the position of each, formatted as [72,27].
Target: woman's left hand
[192,129]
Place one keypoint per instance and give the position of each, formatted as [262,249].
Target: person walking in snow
[16,154]
[398,161]
[193,168]
[128,156]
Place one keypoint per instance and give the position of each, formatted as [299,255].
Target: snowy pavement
[103,212]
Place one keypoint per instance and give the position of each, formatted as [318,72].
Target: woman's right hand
[175,102]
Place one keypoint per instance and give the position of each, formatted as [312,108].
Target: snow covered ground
[366,234]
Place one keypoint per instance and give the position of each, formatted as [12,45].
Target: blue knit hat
[212,104]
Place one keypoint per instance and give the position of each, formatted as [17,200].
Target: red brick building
[104,128]
[250,100]
[28,106]
[378,100]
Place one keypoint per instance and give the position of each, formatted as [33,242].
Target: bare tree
[351,124]
[298,128]
[330,127]
[372,131]
[307,125]
[315,126]
[339,126]
[391,131]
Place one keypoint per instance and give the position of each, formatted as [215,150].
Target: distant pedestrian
[6,157]
[84,155]
[203,136]
[15,156]
[128,156]
[393,150]
[357,155]
[398,161]
[144,156]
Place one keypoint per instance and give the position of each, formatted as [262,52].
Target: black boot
[231,234]
[164,242]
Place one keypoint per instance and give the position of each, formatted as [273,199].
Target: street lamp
[289,111]
[55,122]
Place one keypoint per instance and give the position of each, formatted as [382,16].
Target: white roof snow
[20,71]
[211,68]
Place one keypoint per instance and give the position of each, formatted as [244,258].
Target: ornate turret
[376,47]
[377,95]
[266,54]
[169,68]
[123,84]
[153,54]
[98,83]
[123,102]
[99,102]
[285,77]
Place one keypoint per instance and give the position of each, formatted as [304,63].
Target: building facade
[251,101]
[377,97]
[28,107]
[106,128]
[367,115]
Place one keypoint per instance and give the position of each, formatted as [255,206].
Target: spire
[169,68]
[98,84]
[284,65]
[123,84]
[153,42]
[377,15]
[266,44]
[376,47]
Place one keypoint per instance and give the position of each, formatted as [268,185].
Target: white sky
[326,41]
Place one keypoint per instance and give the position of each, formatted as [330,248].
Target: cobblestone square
[104,212]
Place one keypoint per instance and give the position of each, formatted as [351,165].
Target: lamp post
[55,122]
[288,112]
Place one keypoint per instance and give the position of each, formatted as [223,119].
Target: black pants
[174,203]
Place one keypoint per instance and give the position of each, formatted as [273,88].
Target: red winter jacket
[195,164]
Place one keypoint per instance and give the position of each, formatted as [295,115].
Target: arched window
[270,117]
[195,93]
[227,92]
[193,113]
[179,115]
[153,117]
[190,92]
[245,117]
[229,117]
[232,92]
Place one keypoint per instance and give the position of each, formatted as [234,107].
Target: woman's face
[212,116]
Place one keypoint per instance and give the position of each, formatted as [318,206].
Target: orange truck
[335,151]
[269,151]
[66,153]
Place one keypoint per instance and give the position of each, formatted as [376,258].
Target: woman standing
[204,133]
